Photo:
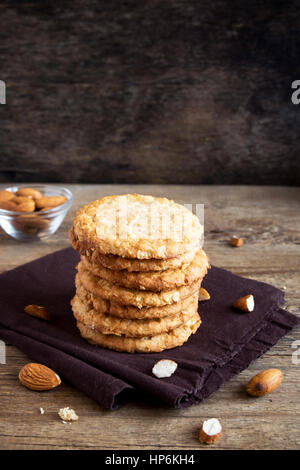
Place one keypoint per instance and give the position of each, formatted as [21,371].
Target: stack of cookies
[140,272]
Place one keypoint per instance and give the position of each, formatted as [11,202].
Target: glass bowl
[37,225]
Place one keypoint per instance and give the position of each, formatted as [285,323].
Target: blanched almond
[164,368]
[29,192]
[50,201]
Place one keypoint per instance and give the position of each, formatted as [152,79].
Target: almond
[50,201]
[28,206]
[38,377]
[211,431]
[37,311]
[245,304]
[46,208]
[6,195]
[203,294]
[21,199]
[8,206]
[33,220]
[30,223]
[265,382]
[236,241]
[29,192]
[164,368]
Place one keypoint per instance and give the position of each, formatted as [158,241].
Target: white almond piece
[164,368]
[250,303]
[212,426]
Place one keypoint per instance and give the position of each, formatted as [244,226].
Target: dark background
[155,91]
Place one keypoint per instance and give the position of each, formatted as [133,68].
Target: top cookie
[135,226]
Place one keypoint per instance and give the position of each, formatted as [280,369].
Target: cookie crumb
[42,411]
[67,414]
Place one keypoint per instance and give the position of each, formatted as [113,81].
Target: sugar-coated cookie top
[135,226]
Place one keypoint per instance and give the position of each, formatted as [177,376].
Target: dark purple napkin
[226,343]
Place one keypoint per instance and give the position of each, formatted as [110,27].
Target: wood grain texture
[268,219]
[150,92]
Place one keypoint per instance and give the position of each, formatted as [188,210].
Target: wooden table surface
[268,219]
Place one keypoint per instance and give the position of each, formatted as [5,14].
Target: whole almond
[37,311]
[38,377]
[8,206]
[46,208]
[265,382]
[29,192]
[21,199]
[27,229]
[28,206]
[33,220]
[6,195]
[50,201]
[30,223]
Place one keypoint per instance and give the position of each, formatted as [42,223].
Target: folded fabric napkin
[225,344]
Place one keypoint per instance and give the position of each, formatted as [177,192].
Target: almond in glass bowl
[33,212]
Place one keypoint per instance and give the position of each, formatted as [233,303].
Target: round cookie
[139,298]
[128,311]
[110,325]
[148,344]
[135,226]
[117,263]
[153,280]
